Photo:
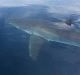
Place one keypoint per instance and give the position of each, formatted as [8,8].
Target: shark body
[44,30]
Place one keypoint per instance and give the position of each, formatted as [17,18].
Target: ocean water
[54,58]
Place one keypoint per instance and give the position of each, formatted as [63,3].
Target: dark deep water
[54,58]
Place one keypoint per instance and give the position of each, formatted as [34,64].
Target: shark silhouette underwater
[43,30]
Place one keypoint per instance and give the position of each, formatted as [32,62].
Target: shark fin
[35,44]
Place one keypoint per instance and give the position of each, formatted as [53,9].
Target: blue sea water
[54,58]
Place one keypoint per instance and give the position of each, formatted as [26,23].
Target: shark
[42,30]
